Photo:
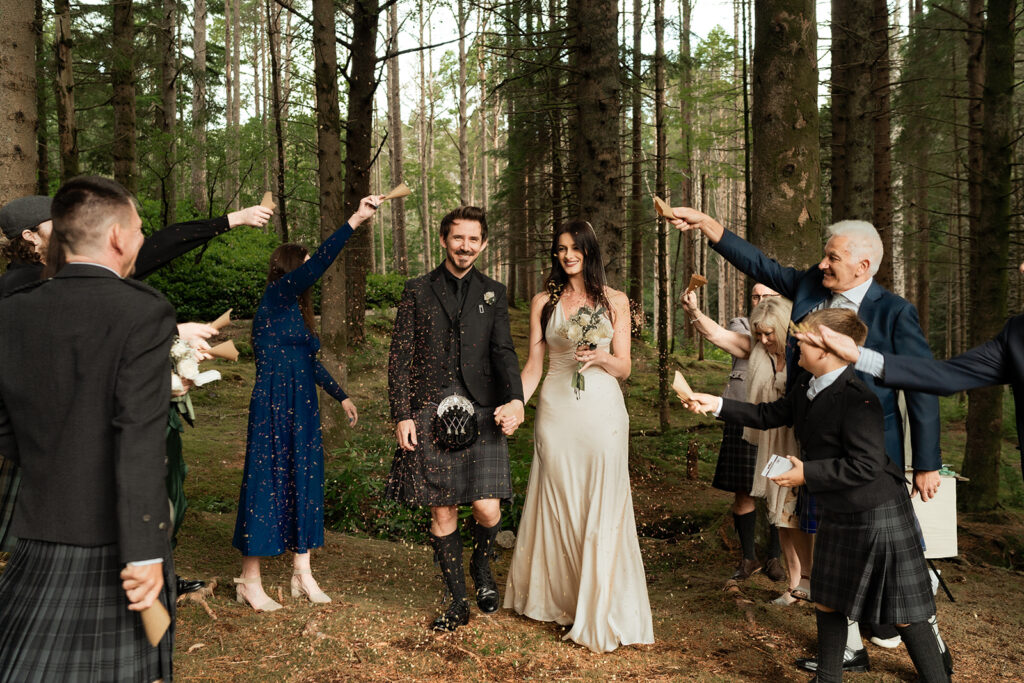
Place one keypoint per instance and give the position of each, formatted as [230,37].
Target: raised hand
[255,216]
[686,218]
[367,208]
[690,304]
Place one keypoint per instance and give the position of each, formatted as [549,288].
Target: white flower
[188,368]
[489,298]
[583,319]
[604,328]
[574,333]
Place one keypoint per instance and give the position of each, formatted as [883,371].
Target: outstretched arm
[731,342]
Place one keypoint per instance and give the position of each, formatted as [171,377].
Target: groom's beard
[468,258]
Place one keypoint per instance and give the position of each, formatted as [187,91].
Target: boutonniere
[489,298]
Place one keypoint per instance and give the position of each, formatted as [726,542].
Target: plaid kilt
[432,476]
[65,617]
[10,482]
[869,565]
[808,510]
[737,460]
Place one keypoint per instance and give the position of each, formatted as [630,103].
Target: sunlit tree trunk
[274,39]
[396,149]
[199,111]
[18,92]
[65,89]
[42,141]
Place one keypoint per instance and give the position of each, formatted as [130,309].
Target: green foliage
[230,274]
[384,291]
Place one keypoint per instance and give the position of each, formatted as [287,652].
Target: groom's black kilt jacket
[427,328]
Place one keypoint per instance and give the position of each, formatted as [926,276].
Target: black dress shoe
[774,570]
[455,616]
[855,662]
[188,585]
[745,569]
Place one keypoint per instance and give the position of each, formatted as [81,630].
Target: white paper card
[206,377]
[776,465]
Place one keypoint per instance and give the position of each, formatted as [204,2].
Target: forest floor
[387,591]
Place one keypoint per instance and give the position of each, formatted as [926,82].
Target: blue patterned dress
[281,504]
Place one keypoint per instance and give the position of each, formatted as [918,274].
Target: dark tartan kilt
[432,476]
[64,617]
[736,461]
[808,510]
[869,565]
[10,482]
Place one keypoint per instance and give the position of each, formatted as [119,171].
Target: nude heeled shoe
[270,605]
[318,597]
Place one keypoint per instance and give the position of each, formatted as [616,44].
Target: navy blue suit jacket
[893,327]
[997,361]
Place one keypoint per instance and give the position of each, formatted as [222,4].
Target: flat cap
[24,213]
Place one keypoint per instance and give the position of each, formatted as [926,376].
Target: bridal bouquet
[587,327]
[185,365]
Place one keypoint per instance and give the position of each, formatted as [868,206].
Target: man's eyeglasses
[757,297]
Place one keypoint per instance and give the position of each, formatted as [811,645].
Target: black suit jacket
[892,327]
[842,441]
[84,381]
[418,369]
[997,361]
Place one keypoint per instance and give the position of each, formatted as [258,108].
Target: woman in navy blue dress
[280,506]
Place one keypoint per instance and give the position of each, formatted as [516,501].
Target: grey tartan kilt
[432,476]
[64,617]
[870,566]
[10,482]
[736,461]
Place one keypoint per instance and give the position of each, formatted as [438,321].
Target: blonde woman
[765,348]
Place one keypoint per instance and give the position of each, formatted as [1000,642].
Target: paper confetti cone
[401,191]
[155,621]
[696,282]
[681,387]
[268,200]
[221,322]
[225,350]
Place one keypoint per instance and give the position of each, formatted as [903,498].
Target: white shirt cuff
[142,563]
[870,362]
[717,411]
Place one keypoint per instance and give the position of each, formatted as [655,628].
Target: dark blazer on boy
[842,442]
[427,326]
[84,381]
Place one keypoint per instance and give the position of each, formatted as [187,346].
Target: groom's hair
[465,213]
[841,320]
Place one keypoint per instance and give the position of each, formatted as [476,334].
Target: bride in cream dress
[577,558]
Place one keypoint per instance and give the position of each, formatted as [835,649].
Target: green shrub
[384,291]
[231,273]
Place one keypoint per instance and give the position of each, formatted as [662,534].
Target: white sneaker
[888,643]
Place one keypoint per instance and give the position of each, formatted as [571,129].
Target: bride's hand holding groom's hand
[510,416]
[702,404]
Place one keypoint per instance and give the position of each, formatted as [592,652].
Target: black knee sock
[924,651]
[483,552]
[745,530]
[773,549]
[448,554]
[831,644]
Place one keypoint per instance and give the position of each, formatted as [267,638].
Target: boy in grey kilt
[868,561]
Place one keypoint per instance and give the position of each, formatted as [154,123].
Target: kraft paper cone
[223,320]
[662,208]
[268,200]
[696,282]
[225,350]
[401,191]
[682,388]
[155,621]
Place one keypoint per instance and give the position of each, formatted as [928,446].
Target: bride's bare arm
[534,368]
[617,361]
[731,342]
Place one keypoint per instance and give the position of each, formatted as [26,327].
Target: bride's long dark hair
[585,238]
[284,260]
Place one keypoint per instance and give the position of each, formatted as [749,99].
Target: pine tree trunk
[199,113]
[166,112]
[236,98]
[274,29]
[425,231]
[42,141]
[461,18]
[362,84]
[686,196]
[396,150]
[594,25]
[852,112]
[230,129]
[882,144]
[785,202]
[18,92]
[636,205]
[660,187]
[990,250]
[65,89]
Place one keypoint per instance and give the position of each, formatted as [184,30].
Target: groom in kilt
[451,346]
[84,381]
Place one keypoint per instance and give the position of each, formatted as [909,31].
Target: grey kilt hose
[432,476]
[870,566]
[71,622]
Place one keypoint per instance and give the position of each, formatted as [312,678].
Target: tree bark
[785,185]
[167,111]
[461,19]
[65,89]
[397,149]
[598,90]
[852,113]
[425,231]
[18,92]
[882,144]
[636,204]
[660,187]
[199,113]
[990,248]
[274,29]
[42,143]
[230,124]
[362,84]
